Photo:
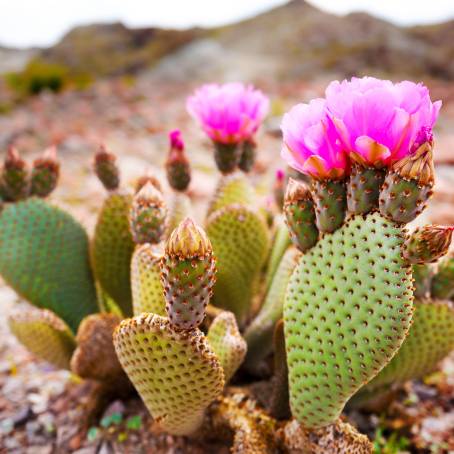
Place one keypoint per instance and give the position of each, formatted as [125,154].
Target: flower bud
[45,173]
[106,168]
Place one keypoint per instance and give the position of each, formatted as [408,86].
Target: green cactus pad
[363,189]
[179,208]
[279,405]
[431,338]
[240,242]
[330,198]
[281,243]
[443,280]
[44,334]
[348,309]
[233,189]
[44,257]
[175,372]
[422,274]
[147,290]
[259,334]
[403,200]
[112,249]
[225,339]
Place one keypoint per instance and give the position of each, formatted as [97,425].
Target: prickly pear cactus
[226,341]
[430,339]
[44,334]
[347,311]
[176,372]
[147,289]
[112,248]
[240,242]
[44,257]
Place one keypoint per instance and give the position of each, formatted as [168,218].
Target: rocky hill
[293,41]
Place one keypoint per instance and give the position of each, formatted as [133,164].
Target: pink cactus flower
[379,121]
[229,113]
[311,142]
[176,141]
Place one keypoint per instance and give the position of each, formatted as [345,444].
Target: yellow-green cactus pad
[431,338]
[225,339]
[348,308]
[176,373]
[234,188]
[259,334]
[44,257]
[281,243]
[147,289]
[95,356]
[44,334]
[112,249]
[179,208]
[240,242]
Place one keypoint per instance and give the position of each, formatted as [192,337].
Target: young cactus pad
[240,242]
[176,373]
[347,311]
[225,339]
[188,271]
[147,289]
[112,249]
[430,339]
[44,334]
[44,257]
[233,189]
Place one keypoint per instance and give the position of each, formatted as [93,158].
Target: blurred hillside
[293,41]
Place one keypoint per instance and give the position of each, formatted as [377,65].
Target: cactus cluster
[327,301]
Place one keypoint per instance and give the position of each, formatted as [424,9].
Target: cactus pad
[147,290]
[175,372]
[112,249]
[240,242]
[44,257]
[44,334]
[348,309]
[233,189]
[259,334]
[225,339]
[443,281]
[430,339]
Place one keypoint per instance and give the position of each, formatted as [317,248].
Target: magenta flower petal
[312,144]
[373,115]
[229,113]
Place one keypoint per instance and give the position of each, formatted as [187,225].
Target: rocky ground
[44,411]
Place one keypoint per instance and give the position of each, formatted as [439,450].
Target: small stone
[6,426]
[22,416]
